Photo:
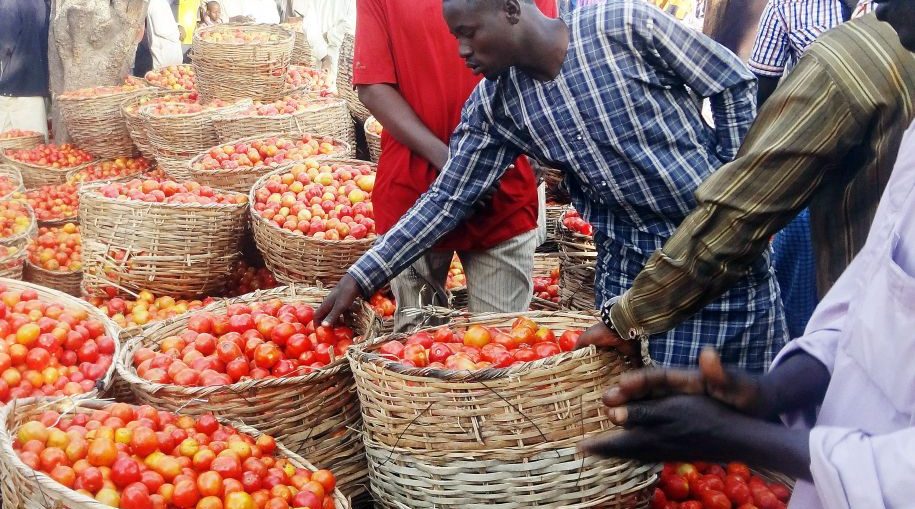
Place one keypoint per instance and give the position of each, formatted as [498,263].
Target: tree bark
[734,24]
[91,43]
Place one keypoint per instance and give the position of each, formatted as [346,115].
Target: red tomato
[546,349]
[227,466]
[209,484]
[477,336]
[186,494]
[439,352]
[658,499]
[691,504]
[688,471]
[713,482]
[764,498]
[125,471]
[524,355]
[568,340]
[206,424]
[712,499]
[738,492]
[136,496]
[676,487]
[782,493]
[740,470]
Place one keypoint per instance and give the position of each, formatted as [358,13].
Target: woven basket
[75,177]
[71,302]
[24,488]
[96,124]
[34,175]
[576,285]
[501,437]
[242,179]
[12,265]
[180,88]
[316,414]
[184,135]
[555,187]
[543,266]
[176,169]
[136,126]
[177,249]
[301,51]
[327,116]
[373,140]
[22,142]
[575,248]
[301,259]
[10,173]
[345,81]
[237,71]
[62,281]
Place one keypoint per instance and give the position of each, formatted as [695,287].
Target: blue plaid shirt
[621,121]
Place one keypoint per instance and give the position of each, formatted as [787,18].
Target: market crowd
[754,219]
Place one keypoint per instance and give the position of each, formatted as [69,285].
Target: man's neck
[545,46]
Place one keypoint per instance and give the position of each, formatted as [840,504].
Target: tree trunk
[91,43]
[734,24]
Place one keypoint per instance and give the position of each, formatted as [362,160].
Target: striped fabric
[620,121]
[827,137]
[864,7]
[787,28]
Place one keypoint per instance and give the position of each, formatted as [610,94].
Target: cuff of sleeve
[369,275]
[820,348]
[616,314]
[766,70]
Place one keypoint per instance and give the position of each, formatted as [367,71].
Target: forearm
[768,445]
[733,110]
[767,86]
[401,122]
[798,382]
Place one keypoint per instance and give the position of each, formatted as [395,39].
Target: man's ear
[512,9]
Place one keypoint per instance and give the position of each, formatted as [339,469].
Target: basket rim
[28,232]
[262,221]
[365,127]
[145,110]
[10,160]
[66,98]
[6,448]
[363,353]
[21,137]
[265,27]
[283,116]
[58,273]
[160,87]
[90,190]
[252,169]
[126,370]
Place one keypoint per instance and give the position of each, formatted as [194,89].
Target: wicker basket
[327,116]
[555,186]
[242,179]
[63,281]
[12,264]
[71,302]
[236,71]
[175,169]
[34,175]
[22,142]
[10,173]
[373,140]
[576,285]
[543,266]
[77,178]
[316,414]
[495,437]
[184,135]
[180,88]
[301,51]
[345,81]
[24,488]
[301,259]
[177,249]
[136,126]
[96,124]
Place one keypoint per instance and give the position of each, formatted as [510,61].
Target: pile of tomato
[711,486]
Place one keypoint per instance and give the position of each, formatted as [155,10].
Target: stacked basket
[296,258]
[95,122]
[577,273]
[130,110]
[14,248]
[242,61]
[301,51]
[345,81]
[22,140]
[36,175]
[176,249]
[328,116]
[316,414]
[373,138]
[494,437]
[544,265]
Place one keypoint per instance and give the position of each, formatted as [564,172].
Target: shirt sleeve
[478,158]
[802,133]
[770,51]
[373,59]
[314,34]
[711,71]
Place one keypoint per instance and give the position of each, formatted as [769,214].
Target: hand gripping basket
[501,438]
[177,249]
[95,122]
[255,69]
[24,488]
[301,259]
[317,414]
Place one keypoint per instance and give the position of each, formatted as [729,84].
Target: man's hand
[601,336]
[679,428]
[338,301]
[739,390]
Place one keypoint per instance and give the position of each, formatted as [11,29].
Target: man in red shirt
[410,76]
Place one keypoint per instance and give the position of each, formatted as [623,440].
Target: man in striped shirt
[827,138]
[605,95]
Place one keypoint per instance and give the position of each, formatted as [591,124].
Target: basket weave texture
[373,140]
[185,135]
[12,265]
[96,123]
[345,81]
[255,70]
[327,116]
[317,414]
[299,258]
[177,249]
[500,437]
[11,174]
[135,124]
[22,142]
[577,272]
[544,263]
[36,175]
[24,488]
[63,281]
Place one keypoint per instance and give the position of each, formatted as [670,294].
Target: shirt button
[578,137]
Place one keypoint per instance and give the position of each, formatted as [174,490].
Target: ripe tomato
[439,352]
[102,452]
[477,336]
[568,340]
[739,469]
[325,478]
[782,493]
[676,487]
[210,503]
[712,499]
[546,349]
[125,471]
[266,444]
[206,424]
[524,355]
[228,467]
[392,350]
[307,499]
[185,494]
[239,500]
[209,484]
[136,496]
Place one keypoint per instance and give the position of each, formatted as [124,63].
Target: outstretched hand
[338,301]
[736,389]
[601,336]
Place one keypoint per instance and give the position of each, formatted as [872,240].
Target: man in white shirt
[163,34]
[326,23]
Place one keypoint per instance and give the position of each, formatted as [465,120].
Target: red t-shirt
[407,44]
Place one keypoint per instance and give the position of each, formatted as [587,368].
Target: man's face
[483,31]
[901,15]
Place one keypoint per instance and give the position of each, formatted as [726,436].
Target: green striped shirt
[827,138]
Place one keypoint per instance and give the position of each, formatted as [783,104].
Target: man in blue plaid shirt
[603,94]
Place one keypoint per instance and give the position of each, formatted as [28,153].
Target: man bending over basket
[603,94]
